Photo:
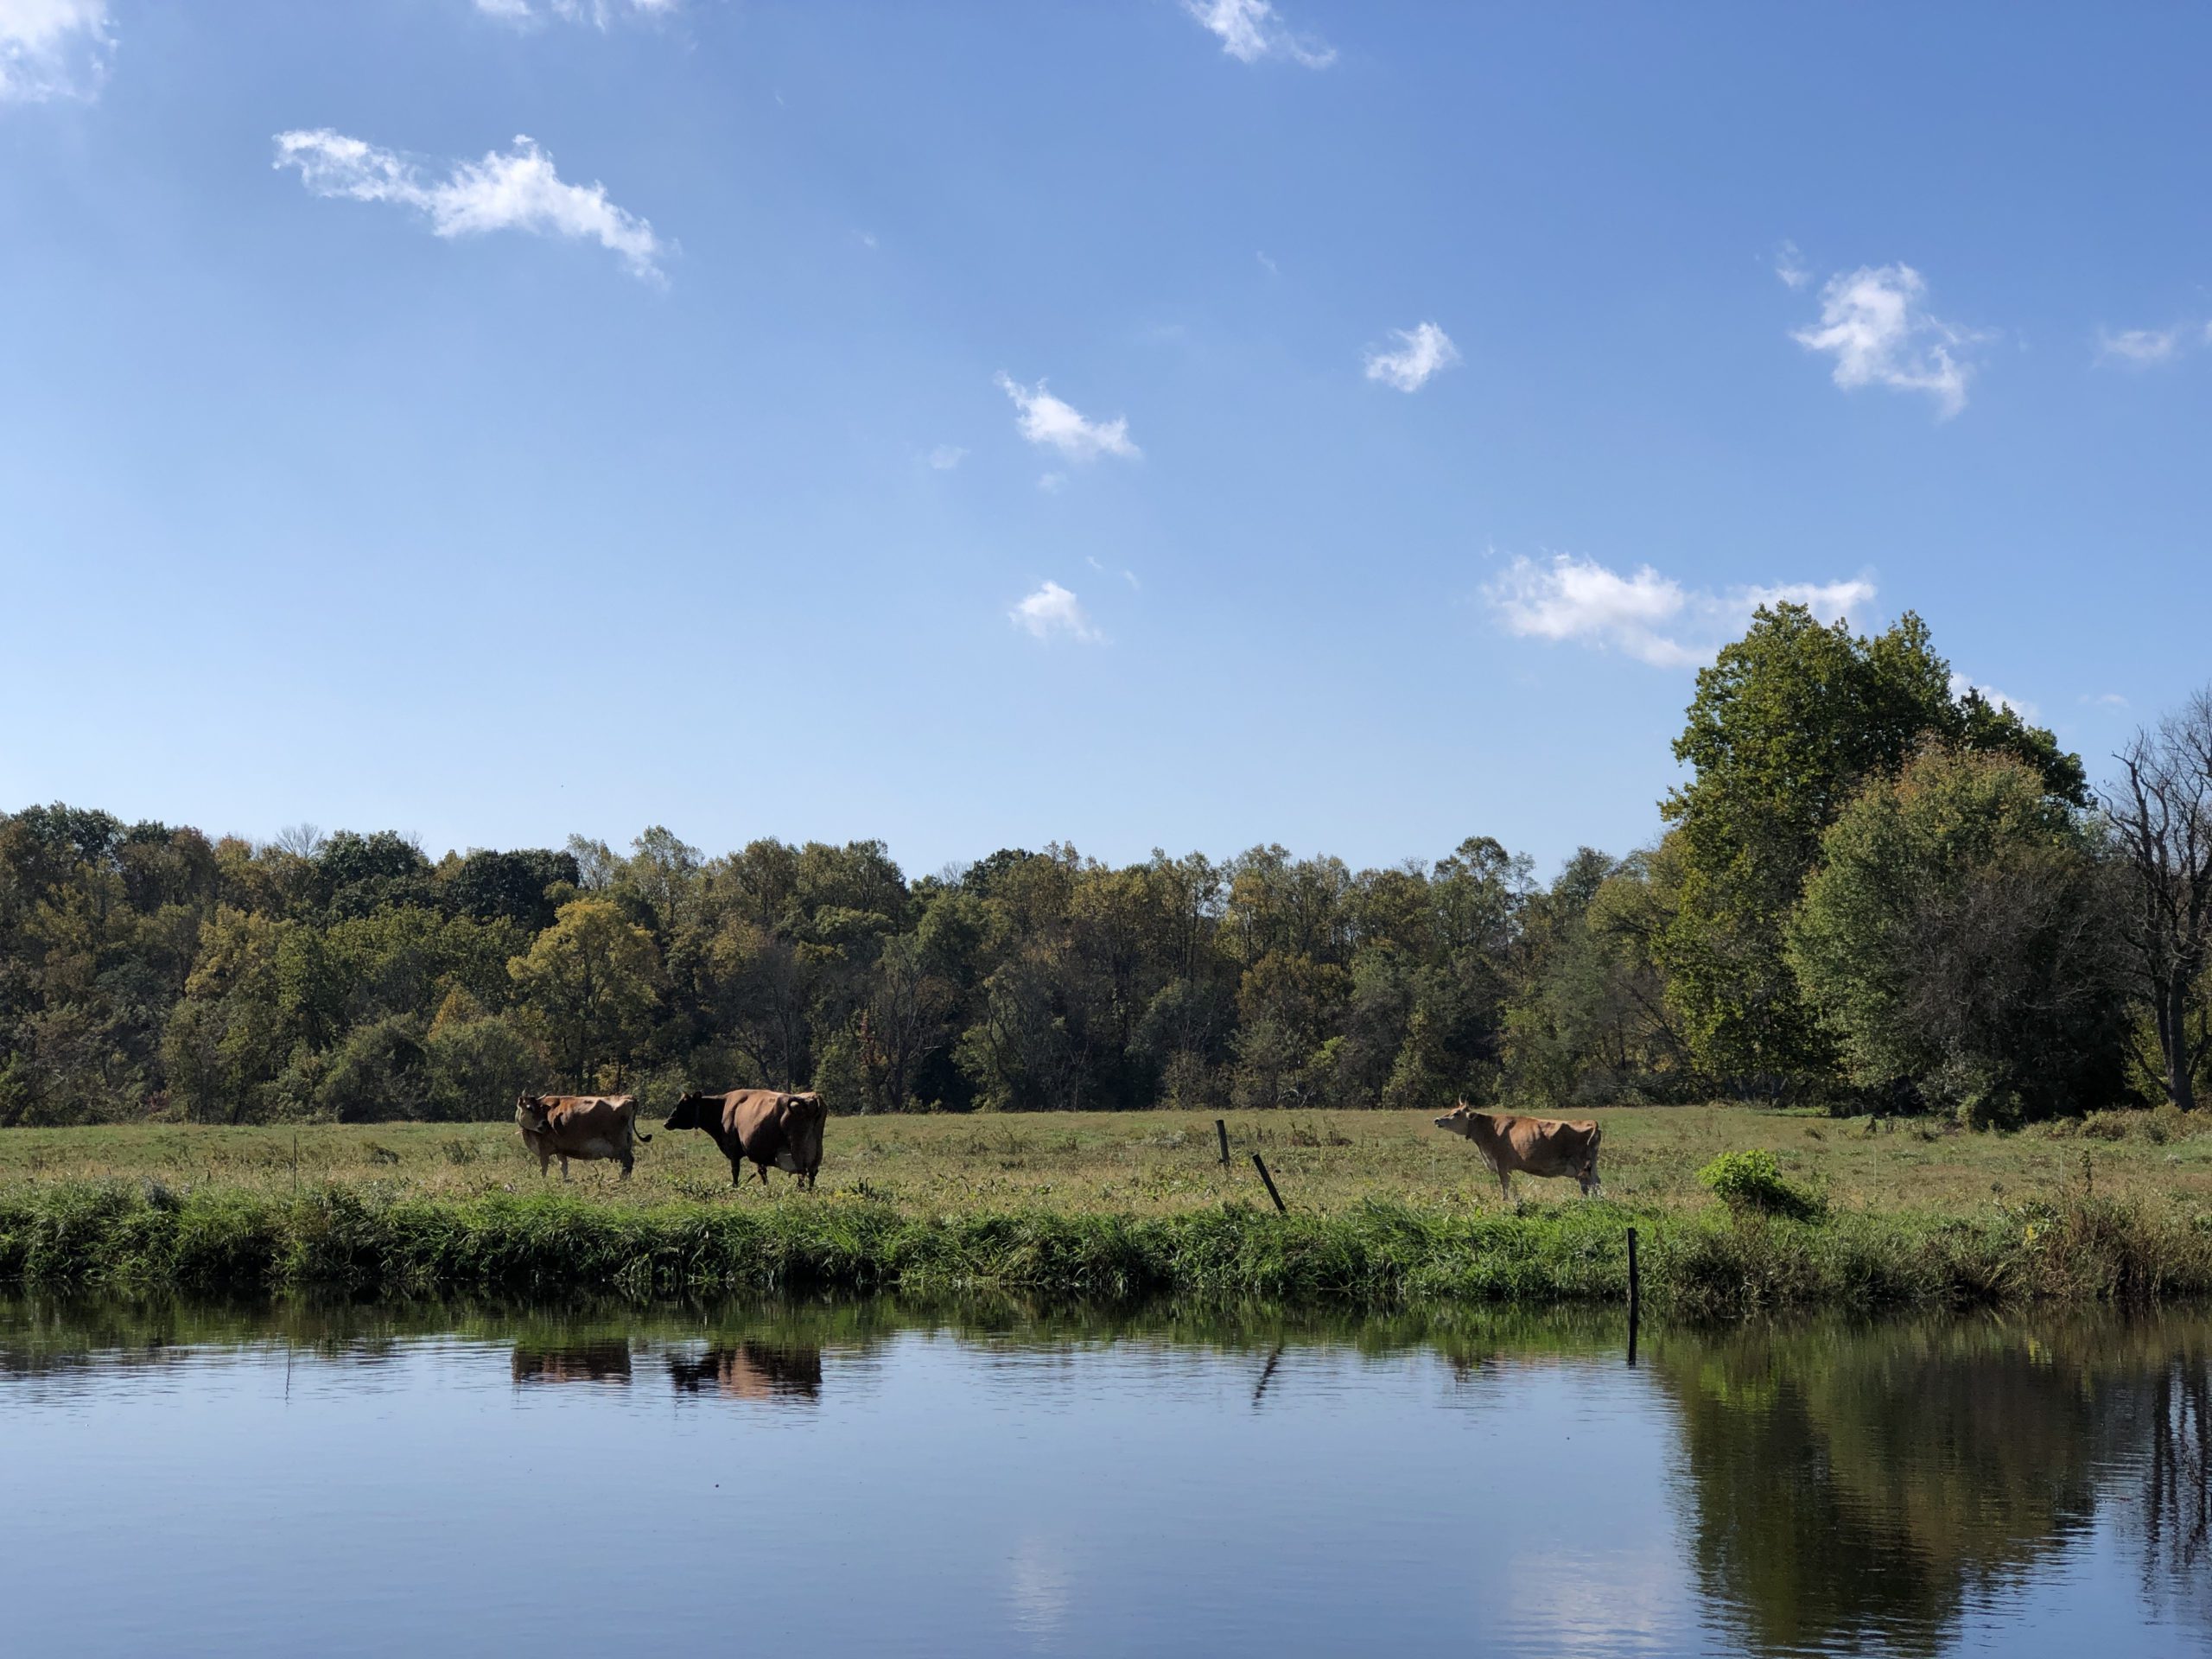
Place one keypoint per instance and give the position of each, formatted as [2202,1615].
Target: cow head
[1460,1120]
[692,1112]
[530,1112]
[803,1117]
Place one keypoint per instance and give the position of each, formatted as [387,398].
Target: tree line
[1870,891]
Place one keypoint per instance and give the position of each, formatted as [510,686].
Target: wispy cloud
[598,13]
[2104,700]
[1789,265]
[1046,421]
[1053,483]
[1873,323]
[2139,348]
[1252,29]
[517,191]
[1960,685]
[52,48]
[1129,576]
[1054,613]
[1650,617]
[946,456]
[1268,265]
[1422,351]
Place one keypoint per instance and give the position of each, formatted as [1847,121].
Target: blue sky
[1136,424]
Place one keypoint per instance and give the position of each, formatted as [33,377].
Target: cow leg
[764,1174]
[627,1161]
[1505,1185]
[736,1172]
[564,1166]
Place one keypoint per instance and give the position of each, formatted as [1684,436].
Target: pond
[869,1478]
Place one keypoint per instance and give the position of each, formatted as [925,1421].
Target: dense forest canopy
[1857,857]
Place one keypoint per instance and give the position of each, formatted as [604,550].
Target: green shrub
[1754,1181]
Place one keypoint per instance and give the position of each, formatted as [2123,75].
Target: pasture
[1160,1163]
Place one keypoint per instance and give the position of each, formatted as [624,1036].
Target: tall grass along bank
[143,1236]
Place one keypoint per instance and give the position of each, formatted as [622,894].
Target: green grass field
[1163,1163]
[1386,1211]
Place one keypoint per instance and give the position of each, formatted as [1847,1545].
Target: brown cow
[579,1126]
[594,1362]
[751,1370]
[1532,1146]
[769,1126]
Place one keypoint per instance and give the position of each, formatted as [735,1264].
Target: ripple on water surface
[860,1478]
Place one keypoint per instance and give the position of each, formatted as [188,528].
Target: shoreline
[138,1236]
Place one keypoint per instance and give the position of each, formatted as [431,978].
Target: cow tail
[647,1139]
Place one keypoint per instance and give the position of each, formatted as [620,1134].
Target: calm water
[862,1479]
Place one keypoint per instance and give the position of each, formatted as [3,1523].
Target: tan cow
[769,1126]
[579,1126]
[1531,1146]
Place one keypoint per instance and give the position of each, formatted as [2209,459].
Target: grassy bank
[1388,1213]
[119,1235]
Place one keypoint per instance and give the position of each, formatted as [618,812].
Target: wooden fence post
[1222,1129]
[1281,1207]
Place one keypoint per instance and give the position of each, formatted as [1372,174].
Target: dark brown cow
[1531,1146]
[767,1125]
[579,1126]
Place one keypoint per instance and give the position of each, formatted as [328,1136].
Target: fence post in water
[1635,1295]
[1222,1129]
[1281,1207]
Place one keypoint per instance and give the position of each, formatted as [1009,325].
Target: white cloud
[1053,483]
[1053,612]
[1422,352]
[866,238]
[1043,419]
[946,456]
[52,48]
[2140,347]
[1960,685]
[1252,30]
[1651,618]
[1872,321]
[1789,265]
[518,191]
[598,13]
[1273,269]
[2105,700]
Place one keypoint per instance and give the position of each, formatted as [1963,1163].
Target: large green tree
[1788,723]
[590,983]
[1959,942]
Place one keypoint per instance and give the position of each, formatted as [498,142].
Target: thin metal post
[1222,1129]
[1635,1295]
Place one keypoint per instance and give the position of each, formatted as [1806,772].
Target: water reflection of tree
[2176,1514]
[1855,1488]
